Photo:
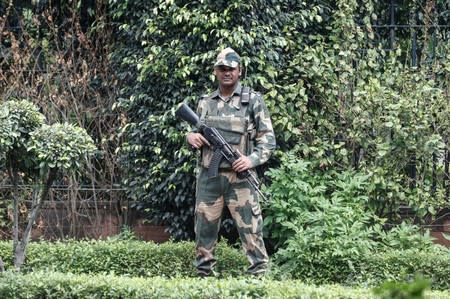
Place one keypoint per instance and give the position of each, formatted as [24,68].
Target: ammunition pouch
[233,130]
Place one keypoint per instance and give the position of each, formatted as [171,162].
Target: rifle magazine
[213,168]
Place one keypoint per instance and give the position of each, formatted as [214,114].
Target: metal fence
[424,26]
[74,212]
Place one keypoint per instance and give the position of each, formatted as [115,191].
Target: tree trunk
[2,265]
[20,250]
[14,177]
[19,256]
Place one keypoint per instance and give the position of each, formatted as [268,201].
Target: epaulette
[204,97]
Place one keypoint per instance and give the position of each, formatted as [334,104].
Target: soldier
[244,123]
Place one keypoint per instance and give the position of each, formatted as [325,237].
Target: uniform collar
[237,92]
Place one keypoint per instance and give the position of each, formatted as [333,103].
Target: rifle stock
[186,114]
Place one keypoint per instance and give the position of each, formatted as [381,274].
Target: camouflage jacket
[262,136]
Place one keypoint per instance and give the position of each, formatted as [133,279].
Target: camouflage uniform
[248,128]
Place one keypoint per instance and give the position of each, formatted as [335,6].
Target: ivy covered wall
[338,97]
[351,85]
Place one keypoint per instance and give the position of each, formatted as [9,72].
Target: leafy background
[364,109]
[337,99]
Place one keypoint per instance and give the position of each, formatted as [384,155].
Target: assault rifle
[222,149]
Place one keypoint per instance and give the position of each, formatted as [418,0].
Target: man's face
[227,76]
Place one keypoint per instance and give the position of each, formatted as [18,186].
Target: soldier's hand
[196,140]
[242,164]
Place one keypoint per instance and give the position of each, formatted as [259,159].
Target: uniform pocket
[257,221]
[232,137]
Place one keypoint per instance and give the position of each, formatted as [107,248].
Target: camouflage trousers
[213,194]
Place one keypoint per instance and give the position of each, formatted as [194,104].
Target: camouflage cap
[228,57]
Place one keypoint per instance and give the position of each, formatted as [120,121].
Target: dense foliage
[61,146]
[18,118]
[356,100]
[327,229]
[332,104]
[331,206]
[172,58]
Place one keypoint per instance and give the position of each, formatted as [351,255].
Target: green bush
[58,285]
[17,119]
[133,258]
[330,211]
[148,259]
[328,232]
[61,146]
[370,269]
[402,265]
[392,290]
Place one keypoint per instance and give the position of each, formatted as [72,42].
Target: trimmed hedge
[372,269]
[171,260]
[57,285]
[396,265]
[133,258]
